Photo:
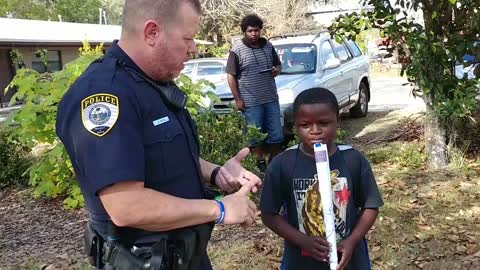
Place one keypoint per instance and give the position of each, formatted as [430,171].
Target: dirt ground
[431,220]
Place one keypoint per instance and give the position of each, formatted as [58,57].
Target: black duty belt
[182,249]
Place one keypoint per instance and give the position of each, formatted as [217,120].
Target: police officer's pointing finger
[238,207]
[251,213]
[253,207]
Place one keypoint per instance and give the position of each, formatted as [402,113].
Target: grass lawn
[431,219]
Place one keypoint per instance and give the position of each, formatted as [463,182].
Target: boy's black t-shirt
[290,182]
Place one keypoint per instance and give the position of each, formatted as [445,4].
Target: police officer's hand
[232,175]
[239,209]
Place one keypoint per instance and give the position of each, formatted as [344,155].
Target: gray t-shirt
[248,65]
[291,183]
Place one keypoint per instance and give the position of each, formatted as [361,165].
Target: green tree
[27,9]
[85,11]
[429,49]
[70,10]
[221,18]
[114,10]
[285,16]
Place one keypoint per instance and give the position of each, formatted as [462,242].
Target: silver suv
[315,60]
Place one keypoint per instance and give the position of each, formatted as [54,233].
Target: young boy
[291,183]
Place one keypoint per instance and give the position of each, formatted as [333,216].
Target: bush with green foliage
[222,136]
[14,160]
[52,173]
[411,155]
[220,51]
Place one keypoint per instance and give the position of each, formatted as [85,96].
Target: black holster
[93,247]
[191,246]
[181,249]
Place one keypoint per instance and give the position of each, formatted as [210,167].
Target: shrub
[411,155]
[222,136]
[52,173]
[14,160]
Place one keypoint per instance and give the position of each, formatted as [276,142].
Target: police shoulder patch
[100,113]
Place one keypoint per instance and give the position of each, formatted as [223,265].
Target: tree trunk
[435,139]
[220,40]
[435,128]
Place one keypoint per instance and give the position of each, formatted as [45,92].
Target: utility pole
[105,17]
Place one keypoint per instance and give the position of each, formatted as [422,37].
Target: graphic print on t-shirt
[309,205]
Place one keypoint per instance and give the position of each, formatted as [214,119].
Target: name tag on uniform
[161,121]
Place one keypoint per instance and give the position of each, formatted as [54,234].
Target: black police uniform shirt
[291,183]
[116,127]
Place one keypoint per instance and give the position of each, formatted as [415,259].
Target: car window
[210,68]
[355,49]
[297,58]
[341,50]
[327,52]
[188,69]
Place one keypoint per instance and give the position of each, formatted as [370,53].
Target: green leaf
[52,172]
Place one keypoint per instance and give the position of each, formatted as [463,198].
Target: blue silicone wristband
[222,212]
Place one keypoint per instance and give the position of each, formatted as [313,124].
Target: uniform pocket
[165,151]
[164,132]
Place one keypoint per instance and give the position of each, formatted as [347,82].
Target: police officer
[132,143]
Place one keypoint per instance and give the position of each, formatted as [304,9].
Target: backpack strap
[353,164]
[288,166]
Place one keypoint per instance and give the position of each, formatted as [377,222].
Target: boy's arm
[348,245]
[316,246]
[233,69]
[277,64]
[365,222]
[368,198]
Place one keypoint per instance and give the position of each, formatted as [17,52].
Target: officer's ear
[151,30]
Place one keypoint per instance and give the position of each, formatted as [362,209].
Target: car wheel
[361,108]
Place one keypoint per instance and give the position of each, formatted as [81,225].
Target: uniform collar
[118,53]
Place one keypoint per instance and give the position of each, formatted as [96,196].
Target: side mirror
[332,63]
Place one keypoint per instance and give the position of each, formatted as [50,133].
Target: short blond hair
[164,11]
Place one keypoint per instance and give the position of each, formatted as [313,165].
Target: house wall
[7,72]
[5,75]
[67,54]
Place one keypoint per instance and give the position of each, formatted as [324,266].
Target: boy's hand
[346,248]
[240,105]
[317,247]
[275,71]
